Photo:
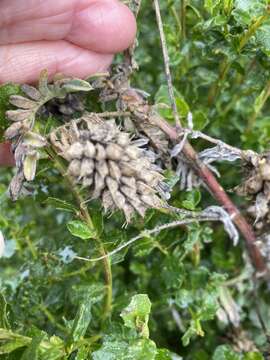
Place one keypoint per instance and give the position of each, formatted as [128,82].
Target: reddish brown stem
[220,195]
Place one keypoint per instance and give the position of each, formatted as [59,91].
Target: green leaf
[164,354]
[191,332]
[142,349]
[200,120]
[171,178]
[144,247]
[245,11]
[54,349]
[86,296]
[192,238]
[83,351]
[120,350]
[75,85]
[32,351]
[82,320]
[10,341]
[4,323]
[162,97]
[263,38]
[182,106]
[224,352]
[81,230]
[212,5]
[60,204]
[136,314]
[193,198]
[184,298]
[114,350]
[254,356]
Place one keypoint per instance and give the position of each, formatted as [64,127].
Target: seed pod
[87,167]
[102,169]
[22,102]
[75,151]
[114,170]
[31,92]
[99,186]
[34,140]
[114,152]
[18,115]
[30,165]
[123,139]
[133,152]
[127,169]
[89,150]
[74,168]
[129,181]
[16,185]
[265,170]
[100,152]
[87,182]
[13,131]
[257,186]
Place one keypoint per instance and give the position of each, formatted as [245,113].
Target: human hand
[74,37]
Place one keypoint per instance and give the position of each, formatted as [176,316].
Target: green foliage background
[52,305]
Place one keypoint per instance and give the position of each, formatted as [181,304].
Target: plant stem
[167,64]
[259,106]
[252,29]
[147,233]
[183,19]
[52,319]
[106,263]
[216,87]
[84,215]
[177,19]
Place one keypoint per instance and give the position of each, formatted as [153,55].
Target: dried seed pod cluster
[257,185]
[23,118]
[25,142]
[114,168]
[263,243]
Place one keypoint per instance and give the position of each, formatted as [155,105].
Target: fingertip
[105,26]
[22,63]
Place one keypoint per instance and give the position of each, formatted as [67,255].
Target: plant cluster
[117,238]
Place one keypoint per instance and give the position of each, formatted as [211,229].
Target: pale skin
[74,37]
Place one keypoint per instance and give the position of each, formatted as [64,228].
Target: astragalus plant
[135,223]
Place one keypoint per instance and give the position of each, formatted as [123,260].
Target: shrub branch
[202,170]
